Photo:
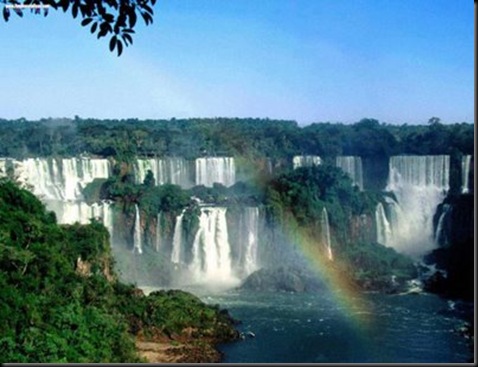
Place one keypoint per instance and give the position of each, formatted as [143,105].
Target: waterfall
[215,170]
[419,184]
[59,183]
[305,161]
[176,253]
[170,170]
[441,233]
[137,246]
[352,165]
[108,221]
[177,171]
[55,179]
[325,233]
[44,178]
[141,168]
[384,231]
[69,212]
[247,241]
[252,223]
[158,233]
[465,173]
[211,259]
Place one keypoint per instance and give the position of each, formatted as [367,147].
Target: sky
[398,61]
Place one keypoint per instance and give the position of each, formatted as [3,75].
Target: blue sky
[399,61]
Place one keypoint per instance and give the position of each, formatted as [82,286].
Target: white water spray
[215,170]
[211,252]
[419,184]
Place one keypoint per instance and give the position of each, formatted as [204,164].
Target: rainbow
[348,296]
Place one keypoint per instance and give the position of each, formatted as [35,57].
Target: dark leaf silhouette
[117,17]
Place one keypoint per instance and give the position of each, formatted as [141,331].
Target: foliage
[53,311]
[170,312]
[305,191]
[248,138]
[115,18]
[295,201]
[370,263]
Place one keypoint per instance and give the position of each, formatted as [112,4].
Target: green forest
[249,138]
[61,300]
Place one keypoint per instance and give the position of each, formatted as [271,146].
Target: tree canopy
[250,138]
[61,300]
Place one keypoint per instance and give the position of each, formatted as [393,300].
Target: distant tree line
[245,137]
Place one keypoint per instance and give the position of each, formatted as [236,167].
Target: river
[315,328]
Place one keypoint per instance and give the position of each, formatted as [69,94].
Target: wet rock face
[281,279]
[457,258]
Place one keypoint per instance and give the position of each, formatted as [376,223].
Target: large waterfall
[210,170]
[61,179]
[247,242]
[351,165]
[211,252]
[170,170]
[419,184]
[305,161]
[58,183]
[178,171]
[222,251]
[325,230]
[465,173]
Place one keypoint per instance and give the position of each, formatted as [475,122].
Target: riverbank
[184,329]
[174,352]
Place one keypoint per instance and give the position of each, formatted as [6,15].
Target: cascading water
[58,183]
[176,253]
[419,184]
[441,233]
[76,211]
[325,234]
[171,170]
[384,231]
[465,173]
[44,178]
[78,172]
[247,241]
[53,179]
[351,165]
[305,161]
[137,243]
[211,251]
[215,169]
